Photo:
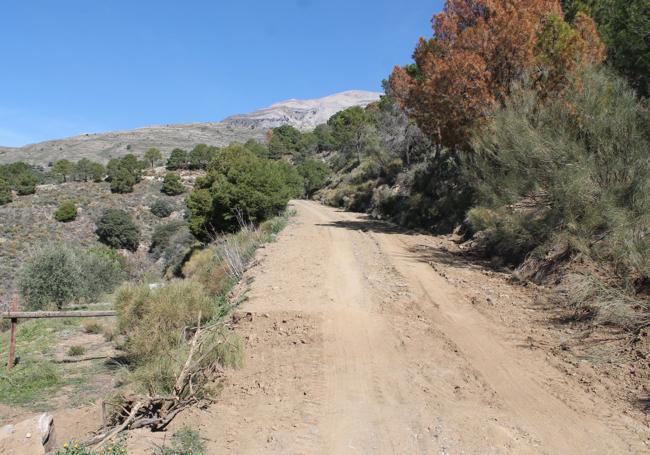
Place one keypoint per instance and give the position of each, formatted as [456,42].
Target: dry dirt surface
[361,340]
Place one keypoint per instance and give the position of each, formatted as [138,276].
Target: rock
[34,436]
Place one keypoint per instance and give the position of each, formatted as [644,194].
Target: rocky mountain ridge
[303,114]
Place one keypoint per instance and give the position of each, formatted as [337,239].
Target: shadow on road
[369,225]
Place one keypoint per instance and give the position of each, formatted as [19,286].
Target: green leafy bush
[179,159]
[172,184]
[51,278]
[61,274]
[314,174]
[26,184]
[87,170]
[576,167]
[124,173]
[161,209]
[240,186]
[67,211]
[116,229]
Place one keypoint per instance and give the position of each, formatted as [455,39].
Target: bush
[67,211]
[5,193]
[161,209]
[178,159]
[52,277]
[61,274]
[172,242]
[124,173]
[152,319]
[93,327]
[26,184]
[576,167]
[172,184]
[240,186]
[314,174]
[116,229]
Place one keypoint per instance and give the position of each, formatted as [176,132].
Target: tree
[285,140]
[624,26]
[178,160]
[200,156]
[324,138]
[26,184]
[122,181]
[314,174]
[60,274]
[89,170]
[124,173]
[257,148]
[63,168]
[478,50]
[239,185]
[67,211]
[351,129]
[116,229]
[5,192]
[152,156]
[172,184]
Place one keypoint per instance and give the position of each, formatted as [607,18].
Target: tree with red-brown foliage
[478,50]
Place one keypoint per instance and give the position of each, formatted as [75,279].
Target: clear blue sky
[75,66]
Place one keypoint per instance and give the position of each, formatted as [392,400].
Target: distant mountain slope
[303,114]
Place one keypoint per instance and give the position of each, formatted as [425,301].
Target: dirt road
[357,343]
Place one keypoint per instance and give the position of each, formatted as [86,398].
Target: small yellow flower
[65,446]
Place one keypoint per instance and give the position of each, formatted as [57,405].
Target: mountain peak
[303,114]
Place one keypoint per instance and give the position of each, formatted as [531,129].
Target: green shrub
[178,159]
[122,181]
[61,274]
[480,219]
[26,184]
[172,184]
[124,173]
[314,174]
[240,186]
[161,209]
[577,167]
[67,211]
[51,278]
[5,193]
[116,229]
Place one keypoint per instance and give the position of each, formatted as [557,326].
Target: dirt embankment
[362,339]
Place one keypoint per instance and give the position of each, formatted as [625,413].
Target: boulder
[34,436]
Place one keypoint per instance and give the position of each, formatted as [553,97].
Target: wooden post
[12,336]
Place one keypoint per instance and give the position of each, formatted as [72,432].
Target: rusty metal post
[12,336]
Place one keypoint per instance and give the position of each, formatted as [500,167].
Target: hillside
[303,114]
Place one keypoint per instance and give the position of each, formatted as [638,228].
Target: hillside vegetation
[524,128]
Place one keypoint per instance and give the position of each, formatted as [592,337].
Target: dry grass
[154,319]
[592,299]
